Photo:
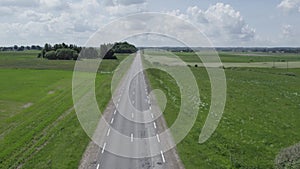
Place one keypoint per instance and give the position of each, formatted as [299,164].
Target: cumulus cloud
[119,10]
[290,34]
[220,22]
[289,5]
[20,3]
[287,30]
[49,21]
[123,2]
[124,7]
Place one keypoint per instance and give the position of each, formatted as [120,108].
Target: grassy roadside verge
[260,118]
[38,127]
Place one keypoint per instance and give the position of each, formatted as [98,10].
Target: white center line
[131,137]
[98,166]
[103,148]
[157,138]
[162,156]
[152,115]
[154,124]
[112,120]
[108,131]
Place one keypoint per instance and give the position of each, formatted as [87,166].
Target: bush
[124,47]
[66,54]
[59,51]
[51,55]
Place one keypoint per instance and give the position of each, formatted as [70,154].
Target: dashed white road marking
[104,145]
[150,107]
[108,131]
[154,124]
[98,166]
[162,156]
[115,111]
[152,115]
[112,120]
[157,138]
[117,104]
[131,137]
[132,115]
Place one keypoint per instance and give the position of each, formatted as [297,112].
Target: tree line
[21,48]
[72,52]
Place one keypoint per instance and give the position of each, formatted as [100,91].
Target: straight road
[133,115]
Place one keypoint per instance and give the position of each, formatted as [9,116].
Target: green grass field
[261,117]
[242,57]
[38,127]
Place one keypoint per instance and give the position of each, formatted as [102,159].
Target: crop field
[261,116]
[38,125]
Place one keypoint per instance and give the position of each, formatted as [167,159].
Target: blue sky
[225,23]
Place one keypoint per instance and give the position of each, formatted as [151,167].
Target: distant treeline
[261,49]
[21,48]
[72,52]
[230,49]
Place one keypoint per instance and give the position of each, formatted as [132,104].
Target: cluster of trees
[60,52]
[107,51]
[21,48]
[71,52]
[124,47]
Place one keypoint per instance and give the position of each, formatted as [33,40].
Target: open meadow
[261,116]
[38,125]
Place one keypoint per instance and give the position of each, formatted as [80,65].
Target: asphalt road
[133,116]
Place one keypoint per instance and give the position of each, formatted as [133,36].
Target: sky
[225,23]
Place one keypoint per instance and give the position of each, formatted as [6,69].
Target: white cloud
[123,2]
[19,3]
[287,30]
[289,35]
[47,22]
[124,7]
[289,5]
[54,4]
[119,10]
[221,23]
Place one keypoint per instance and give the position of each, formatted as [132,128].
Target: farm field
[260,117]
[38,126]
